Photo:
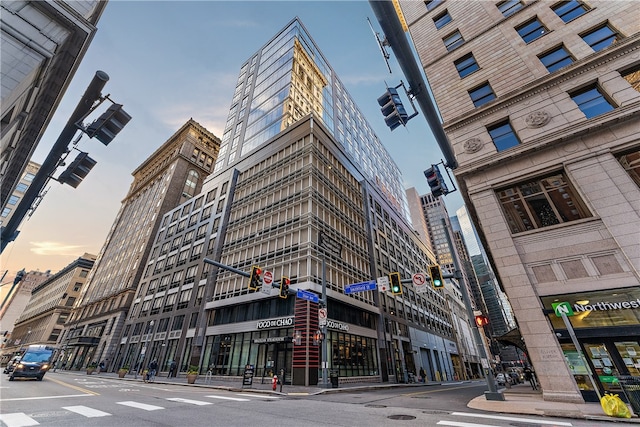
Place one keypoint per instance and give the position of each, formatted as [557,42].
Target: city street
[77,400]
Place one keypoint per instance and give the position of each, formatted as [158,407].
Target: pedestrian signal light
[436,276]
[396,284]
[482,320]
[255,278]
[284,287]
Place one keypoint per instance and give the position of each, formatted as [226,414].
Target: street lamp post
[143,351]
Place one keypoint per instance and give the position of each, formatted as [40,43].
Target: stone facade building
[541,101]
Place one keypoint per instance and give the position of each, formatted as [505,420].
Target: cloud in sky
[55,249]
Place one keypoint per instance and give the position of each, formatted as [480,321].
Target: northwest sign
[561,308]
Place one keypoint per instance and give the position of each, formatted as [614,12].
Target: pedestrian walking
[423,375]
[529,376]
[172,369]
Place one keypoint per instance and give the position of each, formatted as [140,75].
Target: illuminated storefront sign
[275,323]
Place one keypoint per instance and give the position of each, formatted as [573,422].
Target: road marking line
[193,402]
[459,424]
[140,405]
[237,399]
[258,395]
[18,419]
[498,417]
[84,390]
[86,411]
[44,397]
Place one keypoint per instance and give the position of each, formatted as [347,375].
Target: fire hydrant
[274,382]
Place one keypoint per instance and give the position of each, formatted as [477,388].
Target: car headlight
[45,367]
[19,366]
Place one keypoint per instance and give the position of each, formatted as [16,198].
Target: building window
[482,94]
[466,65]
[631,164]
[541,203]
[556,59]
[190,184]
[5,212]
[453,41]
[443,19]
[28,177]
[21,187]
[591,101]
[600,38]
[569,10]
[632,75]
[432,4]
[13,200]
[531,30]
[509,7]
[503,136]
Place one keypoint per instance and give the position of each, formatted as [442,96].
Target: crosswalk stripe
[18,419]
[499,417]
[237,399]
[140,405]
[192,402]
[460,424]
[264,396]
[86,411]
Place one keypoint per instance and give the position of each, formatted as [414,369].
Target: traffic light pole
[90,96]
[493,393]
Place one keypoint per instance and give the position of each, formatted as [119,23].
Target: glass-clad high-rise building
[288,79]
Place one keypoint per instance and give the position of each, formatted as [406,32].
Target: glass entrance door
[604,366]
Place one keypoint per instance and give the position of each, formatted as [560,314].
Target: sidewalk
[519,399]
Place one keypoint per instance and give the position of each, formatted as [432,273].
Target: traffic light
[482,320]
[392,109]
[109,124]
[284,287]
[436,276]
[77,170]
[396,284]
[436,181]
[255,279]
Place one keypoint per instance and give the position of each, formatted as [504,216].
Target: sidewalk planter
[122,372]
[91,369]
[192,374]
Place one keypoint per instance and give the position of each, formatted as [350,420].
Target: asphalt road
[70,401]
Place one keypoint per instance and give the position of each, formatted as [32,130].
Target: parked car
[12,363]
[516,377]
[34,363]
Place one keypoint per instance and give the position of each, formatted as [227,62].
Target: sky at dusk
[170,61]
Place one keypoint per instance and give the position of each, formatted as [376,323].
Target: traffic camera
[396,283]
[284,287]
[436,276]
[255,278]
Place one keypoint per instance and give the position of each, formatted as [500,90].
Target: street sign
[322,317]
[561,308]
[360,287]
[309,296]
[383,283]
[419,279]
[267,278]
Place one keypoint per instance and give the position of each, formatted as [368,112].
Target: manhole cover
[375,406]
[401,417]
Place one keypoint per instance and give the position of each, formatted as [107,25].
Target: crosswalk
[20,419]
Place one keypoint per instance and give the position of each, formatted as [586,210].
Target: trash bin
[333,376]
[631,387]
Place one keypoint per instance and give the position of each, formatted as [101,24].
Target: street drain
[401,417]
[436,412]
[375,406]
